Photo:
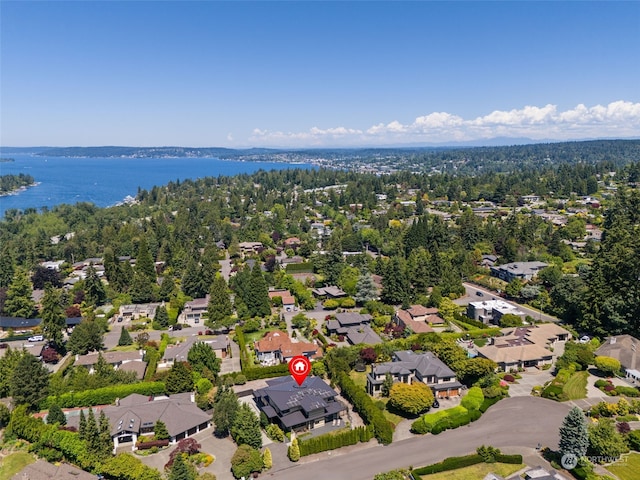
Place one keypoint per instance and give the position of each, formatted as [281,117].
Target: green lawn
[359,378]
[475,472]
[576,386]
[627,467]
[13,463]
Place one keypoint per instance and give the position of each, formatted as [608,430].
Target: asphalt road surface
[512,422]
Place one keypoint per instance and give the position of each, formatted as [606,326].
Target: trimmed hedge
[102,396]
[258,373]
[489,402]
[331,441]
[151,444]
[454,463]
[365,406]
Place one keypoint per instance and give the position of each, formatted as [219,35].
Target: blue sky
[313,74]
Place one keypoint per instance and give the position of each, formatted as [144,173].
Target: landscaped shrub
[602,383]
[628,391]
[347,302]
[473,399]
[274,432]
[488,402]
[330,304]
[454,463]
[509,378]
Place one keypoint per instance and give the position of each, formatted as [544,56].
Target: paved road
[513,423]
[472,296]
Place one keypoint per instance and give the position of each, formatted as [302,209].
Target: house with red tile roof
[276,347]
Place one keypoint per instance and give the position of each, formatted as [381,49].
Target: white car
[36,338]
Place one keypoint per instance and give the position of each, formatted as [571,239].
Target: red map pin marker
[299,368]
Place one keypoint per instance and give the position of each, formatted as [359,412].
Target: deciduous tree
[412,398]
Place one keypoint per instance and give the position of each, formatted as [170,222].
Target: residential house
[126,361]
[354,327]
[624,349]
[418,318]
[488,261]
[138,311]
[276,347]
[194,310]
[408,367]
[523,347]
[179,352]
[519,270]
[292,242]
[137,415]
[288,301]
[52,265]
[250,248]
[491,311]
[299,408]
[43,470]
[329,292]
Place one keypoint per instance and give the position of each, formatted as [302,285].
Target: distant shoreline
[19,190]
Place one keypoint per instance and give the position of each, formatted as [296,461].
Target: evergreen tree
[246,427]
[267,459]
[225,407]
[7,366]
[219,309]
[6,267]
[92,433]
[125,338]
[167,288]
[29,382]
[366,289]
[293,452]
[113,271]
[180,470]
[19,302]
[179,379]
[144,262]
[395,284]
[94,292]
[387,384]
[160,431]
[191,280]
[257,299]
[141,288]
[161,318]
[574,437]
[201,357]
[86,337]
[53,317]
[82,426]
[104,437]
[56,415]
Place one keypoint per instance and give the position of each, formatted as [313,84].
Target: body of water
[107,181]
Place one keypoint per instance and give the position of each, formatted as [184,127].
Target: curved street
[510,424]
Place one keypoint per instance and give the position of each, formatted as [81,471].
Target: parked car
[36,338]
[436,404]
[4,345]
[480,294]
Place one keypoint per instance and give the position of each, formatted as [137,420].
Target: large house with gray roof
[299,408]
[354,327]
[137,415]
[520,270]
[408,367]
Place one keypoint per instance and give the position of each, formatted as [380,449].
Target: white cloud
[617,119]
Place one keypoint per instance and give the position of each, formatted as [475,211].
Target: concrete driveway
[528,381]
